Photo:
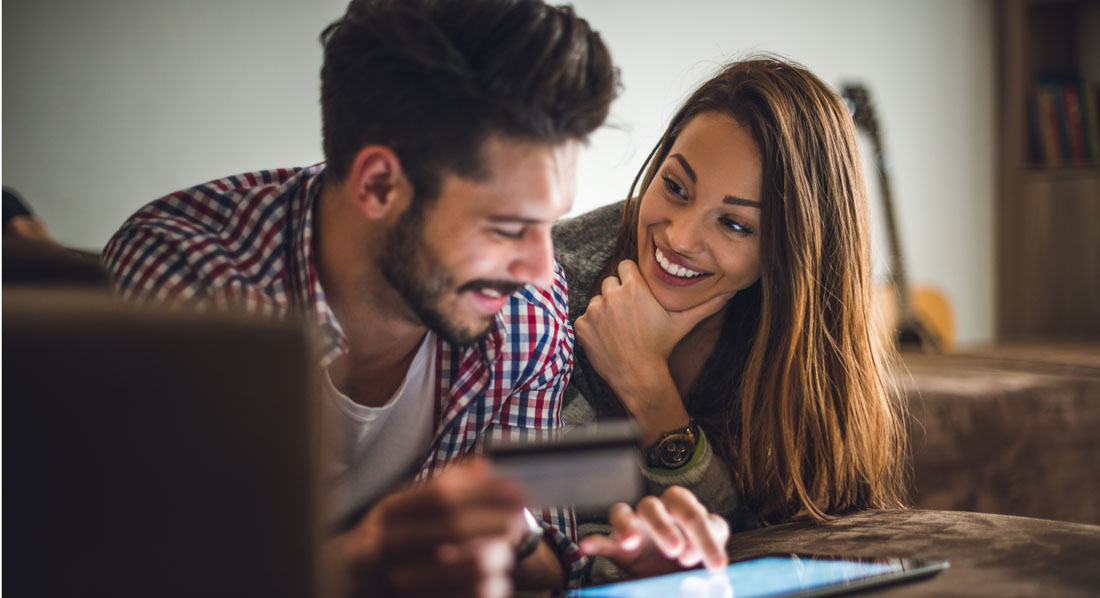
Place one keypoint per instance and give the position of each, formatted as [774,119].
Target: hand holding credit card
[587,467]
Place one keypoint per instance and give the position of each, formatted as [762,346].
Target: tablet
[787,575]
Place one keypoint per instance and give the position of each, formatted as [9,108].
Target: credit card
[592,466]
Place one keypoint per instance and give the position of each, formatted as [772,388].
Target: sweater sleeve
[706,475]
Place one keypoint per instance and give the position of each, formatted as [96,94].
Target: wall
[110,104]
[113,103]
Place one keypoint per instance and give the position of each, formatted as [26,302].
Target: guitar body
[930,325]
[931,308]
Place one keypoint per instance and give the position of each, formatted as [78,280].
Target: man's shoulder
[194,239]
[215,205]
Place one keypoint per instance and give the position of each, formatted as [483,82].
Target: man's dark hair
[433,79]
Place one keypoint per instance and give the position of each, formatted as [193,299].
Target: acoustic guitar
[913,317]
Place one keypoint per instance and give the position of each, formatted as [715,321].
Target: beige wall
[110,104]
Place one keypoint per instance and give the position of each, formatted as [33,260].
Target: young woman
[730,317]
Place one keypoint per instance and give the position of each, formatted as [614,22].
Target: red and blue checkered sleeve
[155,258]
[146,263]
[539,363]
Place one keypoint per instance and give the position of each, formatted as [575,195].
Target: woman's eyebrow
[730,199]
[741,201]
[687,167]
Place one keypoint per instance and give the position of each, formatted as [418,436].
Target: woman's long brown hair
[795,394]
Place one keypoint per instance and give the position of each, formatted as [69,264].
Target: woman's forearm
[651,398]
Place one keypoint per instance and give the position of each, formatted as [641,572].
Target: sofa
[1010,429]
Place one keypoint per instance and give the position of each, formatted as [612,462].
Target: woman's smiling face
[699,220]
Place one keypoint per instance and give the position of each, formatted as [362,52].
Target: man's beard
[424,283]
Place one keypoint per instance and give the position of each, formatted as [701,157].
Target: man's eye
[674,187]
[509,233]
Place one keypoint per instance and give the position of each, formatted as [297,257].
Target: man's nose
[534,264]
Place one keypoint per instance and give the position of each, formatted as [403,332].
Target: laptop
[155,453]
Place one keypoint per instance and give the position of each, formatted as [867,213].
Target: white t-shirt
[369,450]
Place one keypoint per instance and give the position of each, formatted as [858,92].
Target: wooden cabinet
[1047,218]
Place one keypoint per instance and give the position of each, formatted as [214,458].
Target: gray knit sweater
[583,246]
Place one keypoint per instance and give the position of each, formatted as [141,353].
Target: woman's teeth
[673,269]
[495,294]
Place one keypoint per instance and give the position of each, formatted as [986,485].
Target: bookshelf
[1047,210]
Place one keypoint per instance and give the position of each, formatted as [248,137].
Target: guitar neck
[897,264]
[864,117]
[909,326]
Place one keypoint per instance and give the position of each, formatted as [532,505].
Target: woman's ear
[378,182]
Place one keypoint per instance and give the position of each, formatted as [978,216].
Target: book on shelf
[1045,127]
[1075,124]
[1065,119]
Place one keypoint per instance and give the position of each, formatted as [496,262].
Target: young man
[422,250]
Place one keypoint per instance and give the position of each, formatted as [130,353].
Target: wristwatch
[674,448]
[531,538]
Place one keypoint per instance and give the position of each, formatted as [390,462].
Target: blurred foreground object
[126,478]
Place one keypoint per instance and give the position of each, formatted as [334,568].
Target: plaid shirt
[246,241]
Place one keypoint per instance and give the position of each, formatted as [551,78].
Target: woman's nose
[685,234]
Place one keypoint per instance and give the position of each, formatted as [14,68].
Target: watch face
[675,452]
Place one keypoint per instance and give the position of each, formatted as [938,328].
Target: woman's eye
[674,187]
[734,226]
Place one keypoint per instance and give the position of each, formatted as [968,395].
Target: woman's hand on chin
[665,534]
[628,336]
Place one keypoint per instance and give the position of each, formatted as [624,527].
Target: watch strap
[531,538]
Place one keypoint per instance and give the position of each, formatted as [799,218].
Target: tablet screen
[776,575]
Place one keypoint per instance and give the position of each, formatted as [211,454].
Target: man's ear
[378,182]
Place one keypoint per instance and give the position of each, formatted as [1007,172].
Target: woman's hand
[663,535]
[628,336]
